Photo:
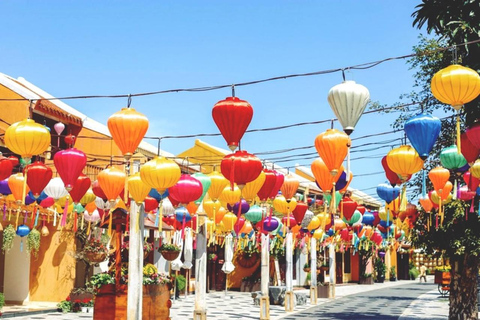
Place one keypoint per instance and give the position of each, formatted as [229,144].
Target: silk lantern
[322,175]
[205,181]
[69,164]
[80,188]
[289,187]
[6,168]
[187,189]
[38,176]
[267,186]
[127,127]
[160,173]
[404,161]
[217,184]
[150,204]
[439,177]
[138,189]
[471,181]
[387,192]
[299,211]
[451,158]
[254,214]
[56,188]
[249,192]
[240,207]
[97,190]
[112,182]
[211,208]
[27,138]
[16,183]
[332,146]
[59,127]
[475,169]
[422,131]
[348,101]
[231,196]
[468,149]
[473,134]
[283,206]
[279,180]
[241,167]
[348,207]
[392,177]
[229,220]
[232,117]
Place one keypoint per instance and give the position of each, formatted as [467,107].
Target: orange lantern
[249,192]
[16,185]
[289,187]
[439,177]
[230,196]
[445,191]
[322,175]
[27,138]
[339,224]
[218,183]
[90,207]
[426,204]
[404,161]
[112,182]
[127,127]
[332,146]
[160,173]
[138,189]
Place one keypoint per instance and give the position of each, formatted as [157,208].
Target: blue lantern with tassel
[22,231]
[422,130]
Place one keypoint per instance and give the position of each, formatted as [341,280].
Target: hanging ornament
[6,168]
[332,146]
[160,173]
[422,131]
[205,181]
[279,180]
[289,187]
[187,189]
[439,177]
[232,117]
[241,167]
[27,138]
[38,176]
[69,164]
[138,189]
[404,161]
[112,182]
[267,186]
[249,192]
[16,183]
[80,188]
[59,127]
[469,150]
[473,134]
[451,158]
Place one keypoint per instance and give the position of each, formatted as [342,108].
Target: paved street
[403,300]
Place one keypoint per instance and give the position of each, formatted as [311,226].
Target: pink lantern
[471,181]
[187,189]
[465,194]
[59,127]
[292,223]
[69,164]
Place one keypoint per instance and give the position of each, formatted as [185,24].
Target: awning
[48,107]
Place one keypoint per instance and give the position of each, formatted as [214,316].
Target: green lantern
[451,158]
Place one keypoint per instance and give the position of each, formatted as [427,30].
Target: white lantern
[56,189]
[348,101]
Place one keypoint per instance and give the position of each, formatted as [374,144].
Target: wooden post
[265,300]
[135,264]
[313,270]
[289,296]
[200,311]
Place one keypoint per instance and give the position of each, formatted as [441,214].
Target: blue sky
[120,47]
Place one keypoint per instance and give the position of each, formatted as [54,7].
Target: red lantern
[98,191]
[187,189]
[38,176]
[69,164]
[361,209]
[280,178]
[14,160]
[472,182]
[348,206]
[392,177]
[6,167]
[80,187]
[267,187]
[240,167]
[473,134]
[70,140]
[150,203]
[299,211]
[469,150]
[232,117]
[292,223]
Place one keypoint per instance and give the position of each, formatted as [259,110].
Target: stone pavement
[239,305]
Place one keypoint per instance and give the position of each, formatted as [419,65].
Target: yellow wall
[11,111]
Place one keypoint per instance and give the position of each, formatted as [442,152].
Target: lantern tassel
[36,217]
[459,144]
[88,228]
[18,215]
[472,205]
[75,221]
[424,184]
[455,189]
[184,223]
[160,224]
[4,211]
[348,165]
[110,223]
[83,222]
[24,192]
[214,218]
[64,216]
[403,199]
[55,216]
[341,210]
[334,200]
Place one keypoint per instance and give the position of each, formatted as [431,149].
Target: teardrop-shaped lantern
[241,167]
[426,204]
[348,101]
[471,182]
[283,206]
[249,192]
[392,177]
[473,134]
[451,159]
[137,188]
[6,167]
[229,220]
[348,206]
[69,164]
[232,117]
[38,176]
[16,185]
[387,192]
[97,190]
[299,211]
[279,180]
[88,197]
[439,177]
[332,146]
[160,173]
[80,187]
[56,188]
[187,189]
[468,149]
[211,208]
[127,127]
[27,138]
[112,182]
[268,184]
[322,175]
[217,184]
[404,161]
[456,85]
[205,181]
[422,130]
[290,186]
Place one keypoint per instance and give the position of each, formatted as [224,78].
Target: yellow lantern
[314,224]
[325,219]
[382,213]
[231,196]
[127,127]
[27,138]
[283,206]
[475,169]
[229,221]
[218,183]
[404,161]
[138,189]
[211,207]
[318,234]
[160,173]
[251,189]
[88,197]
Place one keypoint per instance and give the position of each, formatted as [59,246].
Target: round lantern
[404,161]
[27,138]
[205,181]
[69,164]
[138,189]
[439,177]
[229,220]
[59,127]
[471,181]
[212,208]
[254,214]
[70,139]
[451,158]
[241,167]
[242,205]
[475,169]
[231,196]
[422,130]
[456,85]
[368,218]
[232,117]
[322,175]
[160,173]
[332,146]
[271,224]
[387,192]
[127,127]
[284,206]
[38,176]
[187,189]
[348,101]
[217,184]
[56,188]
[6,168]
[249,192]
[112,182]
[289,187]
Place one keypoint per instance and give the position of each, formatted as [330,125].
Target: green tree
[450,22]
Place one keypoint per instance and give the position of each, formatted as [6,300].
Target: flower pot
[306,269]
[248,261]
[170,255]
[95,256]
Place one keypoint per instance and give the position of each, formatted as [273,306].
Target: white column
[265,264]
[331,285]
[313,262]
[201,268]
[289,258]
[135,263]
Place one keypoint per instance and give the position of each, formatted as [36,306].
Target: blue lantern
[182,213]
[368,218]
[22,231]
[422,130]
[387,193]
[156,195]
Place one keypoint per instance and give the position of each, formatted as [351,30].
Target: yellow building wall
[11,111]
[203,154]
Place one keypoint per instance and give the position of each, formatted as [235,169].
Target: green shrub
[413,273]
[2,300]
[181,282]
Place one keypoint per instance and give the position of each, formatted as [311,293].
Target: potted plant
[393,274]
[306,267]
[86,305]
[100,281]
[169,251]
[413,272]
[96,250]
[380,270]
[65,305]
[323,290]
[2,302]
[441,274]
[8,237]
[366,249]
[324,267]
[147,248]
[33,242]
